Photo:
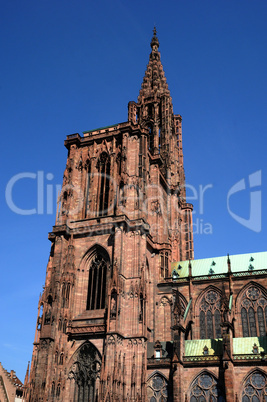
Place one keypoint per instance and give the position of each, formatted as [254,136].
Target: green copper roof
[241,346]
[218,265]
[244,346]
[100,128]
[196,347]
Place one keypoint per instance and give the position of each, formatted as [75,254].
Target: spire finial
[154,41]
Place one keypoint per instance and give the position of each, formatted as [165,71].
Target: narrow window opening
[253,304]
[64,329]
[164,264]
[58,390]
[63,295]
[87,201]
[97,283]
[61,358]
[141,313]
[53,389]
[151,139]
[209,316]
[104,169]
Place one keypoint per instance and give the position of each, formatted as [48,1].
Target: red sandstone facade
[114,324]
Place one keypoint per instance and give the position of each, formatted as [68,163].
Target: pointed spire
[154,41]
[154,82]
[27,375]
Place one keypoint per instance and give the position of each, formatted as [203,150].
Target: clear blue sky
[73,66]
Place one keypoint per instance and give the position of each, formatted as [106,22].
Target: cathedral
[127,313]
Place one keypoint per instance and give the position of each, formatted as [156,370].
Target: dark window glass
[261,321]
[205,389]
[104,170]
[202,325]
[244,318]
[84,372]
[87,200]
[157,389]
[58,390]
[253,304]
[255,388]
[252,322]
[209,315]
[210,333]
[151,139]
[164,264]
[63,295]
[97,283]
[53,389]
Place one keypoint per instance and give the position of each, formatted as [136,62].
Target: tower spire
[154,41]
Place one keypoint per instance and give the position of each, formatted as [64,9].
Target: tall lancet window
[150,139]
[209,315]
[97,283]
[160,139]
[87,199]
[104,183]
[254,312]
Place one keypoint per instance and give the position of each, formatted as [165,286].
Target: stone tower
[121,220]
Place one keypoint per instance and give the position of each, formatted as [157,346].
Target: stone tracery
[85,373]
[254,312]
[209,315]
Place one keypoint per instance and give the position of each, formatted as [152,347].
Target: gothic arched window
[58,391]
[67,294]
[205,389]
[97,283]
[64,327]
[104,183]
[61,358]
[255,388]
[209,315]
[157,389]
[254,312]
[53,389]
[85,372]
[119,163]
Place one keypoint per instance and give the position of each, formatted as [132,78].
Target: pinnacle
[154,81]
[154,41]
